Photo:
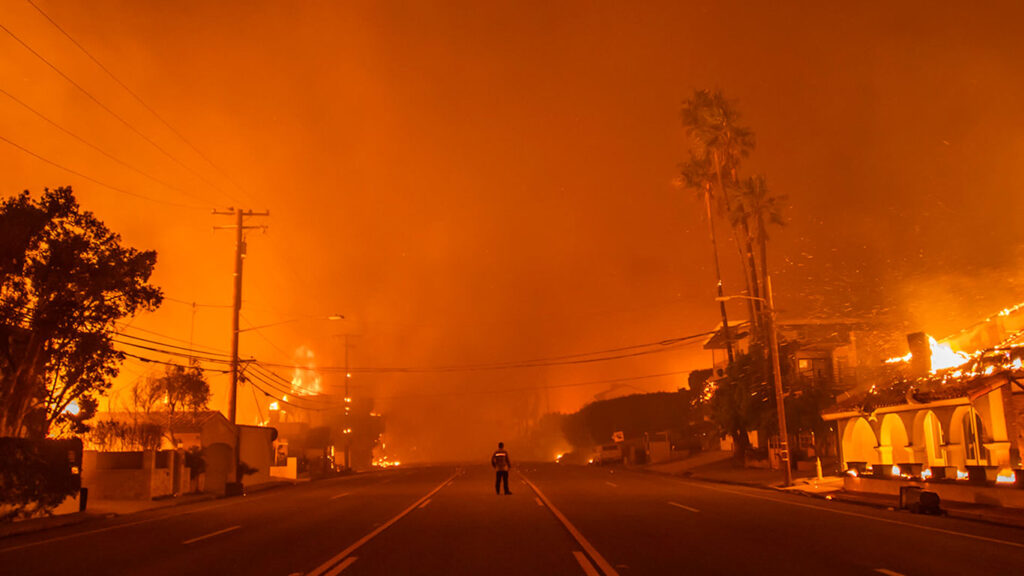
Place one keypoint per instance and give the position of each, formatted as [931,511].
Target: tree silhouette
[65,279]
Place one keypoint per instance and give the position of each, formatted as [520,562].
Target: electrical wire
[110,111]
[533,388]
[93,146]
[95,181]
[667,345]
[138,99]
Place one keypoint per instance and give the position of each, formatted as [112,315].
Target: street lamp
[773,343]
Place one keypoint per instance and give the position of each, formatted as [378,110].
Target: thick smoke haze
[475,183]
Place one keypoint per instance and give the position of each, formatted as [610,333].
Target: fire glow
[1006,476]
[942,355]
[305,378]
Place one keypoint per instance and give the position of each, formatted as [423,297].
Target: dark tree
[181,388]
[742,400]
[65,279]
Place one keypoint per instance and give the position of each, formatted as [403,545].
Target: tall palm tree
[712,123]
[757,203]
[698,175]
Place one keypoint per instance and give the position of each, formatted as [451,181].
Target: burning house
[953,409]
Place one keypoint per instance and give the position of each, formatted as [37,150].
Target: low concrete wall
[1006,496]
[127,475]
[289,471]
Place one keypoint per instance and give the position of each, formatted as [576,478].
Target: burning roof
[953,373]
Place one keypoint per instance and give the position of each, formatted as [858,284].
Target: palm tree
[721,143]
[697,175]
[758,204]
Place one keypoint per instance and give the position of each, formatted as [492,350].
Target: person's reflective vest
[500,460]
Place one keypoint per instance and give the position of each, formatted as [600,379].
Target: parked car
[606,454]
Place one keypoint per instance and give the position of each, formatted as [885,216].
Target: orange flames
[305,378]
[943,356]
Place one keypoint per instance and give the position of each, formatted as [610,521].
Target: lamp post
[773,343]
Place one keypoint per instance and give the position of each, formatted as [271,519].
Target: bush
[37,475]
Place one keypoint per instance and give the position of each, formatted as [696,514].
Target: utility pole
[348,408]
[239,228]
[780,406]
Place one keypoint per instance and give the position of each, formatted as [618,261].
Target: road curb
[47,523]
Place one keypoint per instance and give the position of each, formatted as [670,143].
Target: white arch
[929,440]
[859,442]
[893,441]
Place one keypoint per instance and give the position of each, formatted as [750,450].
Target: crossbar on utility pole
[236,308]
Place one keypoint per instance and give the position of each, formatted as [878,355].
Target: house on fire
[933,420]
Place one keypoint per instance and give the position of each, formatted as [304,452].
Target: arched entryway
[859,442]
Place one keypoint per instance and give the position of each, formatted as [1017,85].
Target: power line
[667,345]
[209,349]
[532,388]
[95,147]
[191,356]
[155,361]
[95,181]
[196,304]
[109,111]
[138,99]
[141,339]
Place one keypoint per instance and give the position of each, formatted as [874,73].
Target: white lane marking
[424,505]
[612,484]
[146,521]
[588,568]
[336,496]
[856,515]
[887,572]
[323,568]
[678,505]
[591,551]
[211,535]
[341,567]
[539,503]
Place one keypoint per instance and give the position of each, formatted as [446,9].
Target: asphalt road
[559,520]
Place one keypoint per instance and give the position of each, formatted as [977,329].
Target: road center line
[587,546]
[424,505]
[887,572]
[336,496]
[341,567]
[856,515]
[539,503]
[612,484]
[211,535]
[322,569]
[678,505]
[588,568]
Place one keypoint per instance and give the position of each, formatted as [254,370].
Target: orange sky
[478,182]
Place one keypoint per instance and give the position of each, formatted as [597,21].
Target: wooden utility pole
[239,227]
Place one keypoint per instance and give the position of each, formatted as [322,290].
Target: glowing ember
[926,474]
[895,470]
[73,408]
[274,406]
[852,472]
[962,475]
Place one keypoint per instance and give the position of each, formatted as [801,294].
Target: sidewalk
[726,471]
[97,509]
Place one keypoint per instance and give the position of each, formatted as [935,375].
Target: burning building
[950,407]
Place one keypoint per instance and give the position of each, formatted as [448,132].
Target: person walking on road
[501,463]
